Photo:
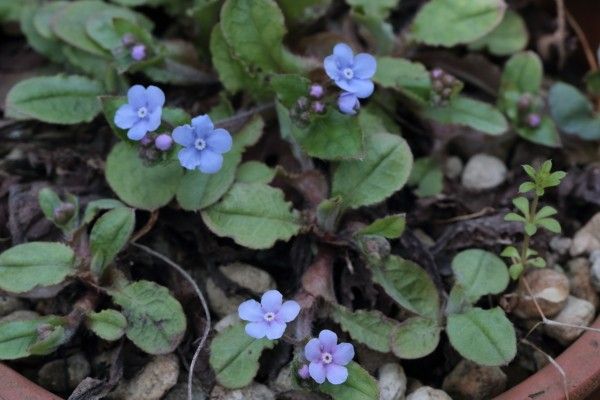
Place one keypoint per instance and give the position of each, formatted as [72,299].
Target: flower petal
[138,131]
[317,372]
[126,117]
[362,88]
[348,103]
[155,97]
[336,374]
[189,157]
[219,141]
[343,353]
[136,96]
[344,54]
[154,119]
[257,330]
[365,66]
[184,135]
[210,162]
[331,67]
[202,125]
[271,301]
[288,311]
[312,350]
[328,340]
[250,310]
[275,330]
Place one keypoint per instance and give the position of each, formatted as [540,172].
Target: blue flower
[142,112]
[269,317]
[203,145]
[348,103]
[351,73]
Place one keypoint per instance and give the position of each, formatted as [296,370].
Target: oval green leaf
[107,324]
[484,336]
[26,266]
[141,186]
[371,328]
[359,386]
[480,272]
[415,338]
[234,356]
[109,235]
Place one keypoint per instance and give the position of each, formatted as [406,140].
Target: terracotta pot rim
[581,364]
[580,361]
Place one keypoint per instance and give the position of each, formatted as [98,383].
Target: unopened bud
[63,213]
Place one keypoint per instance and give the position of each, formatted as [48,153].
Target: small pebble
[561,245]
[392,382]
[469,380]
[453,167]
[587,239]
[428,393]
[576,312]
[483,172]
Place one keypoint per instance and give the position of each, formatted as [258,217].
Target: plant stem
[527,238]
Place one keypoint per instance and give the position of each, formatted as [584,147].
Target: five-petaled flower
[269,317]
[351,73]
[203,145]
[142,112]
[328,358]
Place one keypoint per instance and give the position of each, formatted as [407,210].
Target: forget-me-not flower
[203,145]
[138,52]
[269,317]
[351,73]
[142,112]
[348,103]
[328,359]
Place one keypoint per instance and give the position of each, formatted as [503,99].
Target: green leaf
[253,215]
[451,22]
[107,324]
[391,226]
[254,172]
[289,88]
[573,112]
[155,319]
[234,356]
[509,37]
[109,235]
[371,328]
[484,336]
[522,204]
[374,8]
[515,271]
[26,266]
[110,105]
[55,99]
[545,134]
[416,337]
[331,136]
[232,72]
[427,175]
[95,206]
[303,11]
[522,73]
[69,24]
[54,336]
[409,78]
[378,33]
[255,30]
[550,224]
[17,337]
[197,191]
[383,171]
[63,214]
[249,135]
[48,46]
[469,112]
[480,272]
[141,186]
[546,211]
[359,386]
[409,285]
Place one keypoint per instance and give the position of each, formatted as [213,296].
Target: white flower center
[142,112]
[270,316]
[327,358]
[200,144]
[348,73]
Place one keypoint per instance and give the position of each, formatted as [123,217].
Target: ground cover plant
[302,199]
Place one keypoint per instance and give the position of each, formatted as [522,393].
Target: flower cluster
[444,86]
[351,73]
[203,145]
[327,359]
[528,110]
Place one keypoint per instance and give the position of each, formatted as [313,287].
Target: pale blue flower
[348,103]
[351,73]
[142,112]
[138,52]
[203,145]
[163,142]
[269,317]
[328,359]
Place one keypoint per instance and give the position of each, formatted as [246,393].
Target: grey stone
[9,304]
[392,382]
[428,393]
[483,172]
[470,381]
[576,312]
[64,375]
[152,382]
[587,239]
[255,391]
[453,167]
